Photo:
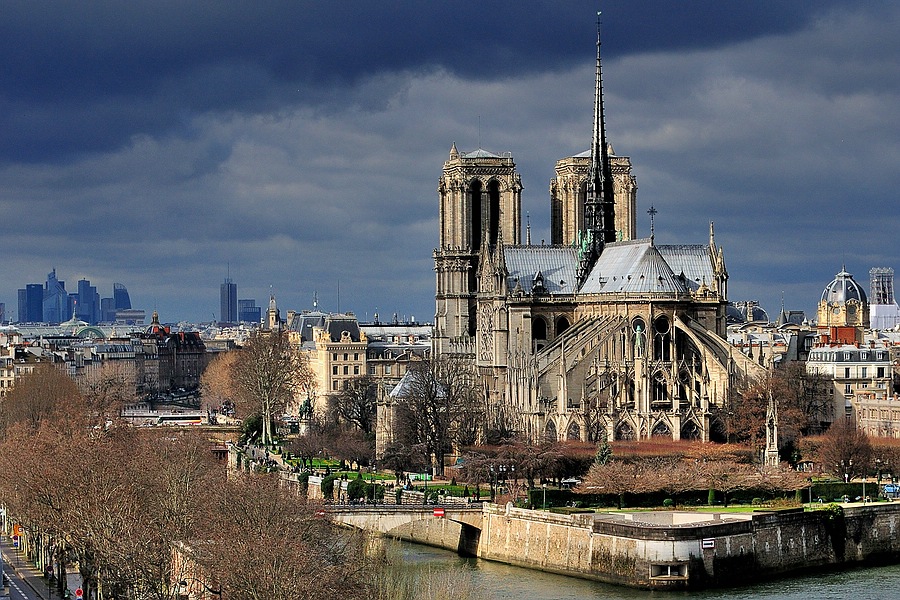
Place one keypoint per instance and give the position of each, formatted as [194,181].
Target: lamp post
[493,482]
[544,504]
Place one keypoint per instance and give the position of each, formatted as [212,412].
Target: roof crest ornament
[652,212]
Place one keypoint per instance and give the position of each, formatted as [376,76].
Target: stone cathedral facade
[599,333]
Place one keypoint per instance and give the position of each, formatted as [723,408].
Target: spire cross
[652,212]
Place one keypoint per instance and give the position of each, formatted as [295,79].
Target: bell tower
[480,195]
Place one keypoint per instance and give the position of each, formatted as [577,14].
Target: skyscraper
[31,303]
[249,312]
[88,307]
[229,305]
[121,300]
[56,300]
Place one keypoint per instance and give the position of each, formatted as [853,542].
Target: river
[504,582]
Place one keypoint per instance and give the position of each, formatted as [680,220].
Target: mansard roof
[691,260]
[635,266]
[557,266]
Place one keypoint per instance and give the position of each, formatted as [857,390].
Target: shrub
[328,487]
[668,503]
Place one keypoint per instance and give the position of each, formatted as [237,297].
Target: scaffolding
[881,286]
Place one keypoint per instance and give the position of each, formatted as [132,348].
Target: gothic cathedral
[598,334]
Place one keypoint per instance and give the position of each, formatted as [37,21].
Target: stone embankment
[666,550]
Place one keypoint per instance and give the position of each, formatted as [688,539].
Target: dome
[842,289]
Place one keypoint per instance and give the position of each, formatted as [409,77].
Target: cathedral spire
[599,212]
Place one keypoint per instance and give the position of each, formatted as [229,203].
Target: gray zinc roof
[690,259]
[634,266]
[557,264]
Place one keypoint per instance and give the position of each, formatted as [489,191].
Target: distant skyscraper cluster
[232,310]
[51,303]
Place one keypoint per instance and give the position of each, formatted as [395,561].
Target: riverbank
[672,550]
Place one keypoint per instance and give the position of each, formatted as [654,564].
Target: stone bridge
[453,527]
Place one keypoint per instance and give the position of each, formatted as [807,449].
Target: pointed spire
[527,229]
[454,153]
[599,205]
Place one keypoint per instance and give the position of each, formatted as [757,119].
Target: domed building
[843,312]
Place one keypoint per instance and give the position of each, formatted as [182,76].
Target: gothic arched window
[562,323]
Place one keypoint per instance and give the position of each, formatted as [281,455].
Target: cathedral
[597,335]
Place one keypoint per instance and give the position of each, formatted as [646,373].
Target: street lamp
[544,505]
[493,482]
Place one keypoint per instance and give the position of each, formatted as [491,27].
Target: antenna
[479,131]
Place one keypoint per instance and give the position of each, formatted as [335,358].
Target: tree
[614,477]
[403,458]
[284,549]
[216,386]
[355,404]
[727,476]
[107,388]
[267,373]
[432,395]
[845,450]
[351,445]
[45,393]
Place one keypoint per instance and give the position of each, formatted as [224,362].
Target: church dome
[842,289]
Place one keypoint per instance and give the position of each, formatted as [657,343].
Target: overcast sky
[299,144]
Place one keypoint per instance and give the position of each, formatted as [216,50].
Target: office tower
[88,307]
[56,300]
[228,298]
[31,303]
[249,312]
[121,300]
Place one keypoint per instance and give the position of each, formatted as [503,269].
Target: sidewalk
[15,564]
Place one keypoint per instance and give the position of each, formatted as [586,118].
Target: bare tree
[107,388]
[845,450]
[615,477]
[432,395]
[216,386]
[266,374]
[727,476]
[285,550]
[45,393]
[355,404]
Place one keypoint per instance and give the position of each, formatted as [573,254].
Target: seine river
[501,582]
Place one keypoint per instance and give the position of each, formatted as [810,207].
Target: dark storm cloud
[83,77]
[299,144]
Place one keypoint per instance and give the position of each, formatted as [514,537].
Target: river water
[504,582]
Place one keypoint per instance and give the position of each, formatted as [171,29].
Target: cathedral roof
[480,153]
[691,260]
[842,288]
[634,266]
[558,266]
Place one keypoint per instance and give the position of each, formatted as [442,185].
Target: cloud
[301,143]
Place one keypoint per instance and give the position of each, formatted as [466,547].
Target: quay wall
[674,550]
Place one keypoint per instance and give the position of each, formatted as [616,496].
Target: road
[25,581]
